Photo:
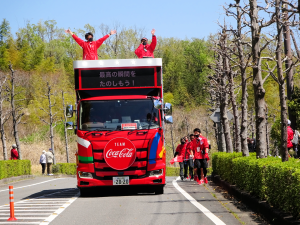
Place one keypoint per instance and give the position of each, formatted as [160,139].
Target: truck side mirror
[69,111]
[168,109]
[169,119]
[70,125]
[157,104]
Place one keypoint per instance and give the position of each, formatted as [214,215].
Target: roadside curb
[274,216]
[13,179]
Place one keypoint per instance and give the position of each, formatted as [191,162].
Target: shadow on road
[118,191]
[55,193]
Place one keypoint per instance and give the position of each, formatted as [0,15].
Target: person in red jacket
[14,155]
[180,151]
[290,134]
[89,46]
[145,50]
[189,155]
[200,148]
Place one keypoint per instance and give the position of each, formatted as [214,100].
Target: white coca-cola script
[124,153]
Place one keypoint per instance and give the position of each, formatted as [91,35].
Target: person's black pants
[181,164]
[43,167]
[201,163]
[189,165]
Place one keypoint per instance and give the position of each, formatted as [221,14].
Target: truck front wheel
[159,190]
[83,192]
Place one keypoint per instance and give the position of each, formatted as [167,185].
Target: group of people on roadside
[194,151]
[46,160]
[90,46]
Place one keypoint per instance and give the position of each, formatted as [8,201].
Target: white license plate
[120,180]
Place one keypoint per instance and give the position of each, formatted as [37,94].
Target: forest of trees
[248,68]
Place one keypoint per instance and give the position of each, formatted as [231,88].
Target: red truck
[120,116]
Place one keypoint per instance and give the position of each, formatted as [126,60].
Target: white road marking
[19,223]
[33,184]
[205,211]
[59,211]
[30,209]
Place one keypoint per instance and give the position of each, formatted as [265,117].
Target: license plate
[120,180]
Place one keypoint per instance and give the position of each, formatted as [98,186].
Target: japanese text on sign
[117,78]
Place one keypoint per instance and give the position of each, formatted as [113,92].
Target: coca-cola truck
[120,116]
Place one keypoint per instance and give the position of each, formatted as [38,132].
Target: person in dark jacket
[145,50]
[90,46]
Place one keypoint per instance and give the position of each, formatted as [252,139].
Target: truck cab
[120,117]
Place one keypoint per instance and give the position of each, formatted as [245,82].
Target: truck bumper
[90,182]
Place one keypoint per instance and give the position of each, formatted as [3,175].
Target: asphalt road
[51,200]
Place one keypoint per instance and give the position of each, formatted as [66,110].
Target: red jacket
[199,144]
[90,47]
[14,154]
[140,51]
[290,137]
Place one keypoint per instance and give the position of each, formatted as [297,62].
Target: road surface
[56,201]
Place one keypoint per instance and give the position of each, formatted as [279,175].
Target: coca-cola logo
[119,153]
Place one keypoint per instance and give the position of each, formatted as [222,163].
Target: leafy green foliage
[268,178]
[65,168]
[13,168]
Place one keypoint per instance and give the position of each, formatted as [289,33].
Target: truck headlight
[85,175]
[156,173]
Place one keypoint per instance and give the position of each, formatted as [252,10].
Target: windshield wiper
[103,129]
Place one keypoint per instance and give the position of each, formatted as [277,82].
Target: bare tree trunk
[65,127]
[282,96]
[14,111]
[235,111]
[172,139]
[3,116]
[267,133]
[243,66]
[259,91]
[288,64]
[51,121]
[224,95]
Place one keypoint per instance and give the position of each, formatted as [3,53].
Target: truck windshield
[118,115]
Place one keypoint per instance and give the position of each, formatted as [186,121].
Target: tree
[52,116]
[259,92]
[16,110]
[4,114]
[243,62]
[65,125]
[4,30]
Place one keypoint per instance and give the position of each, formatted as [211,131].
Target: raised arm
[77,39]
[101,40]
[153,43]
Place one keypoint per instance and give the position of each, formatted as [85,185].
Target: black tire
[159,190]
[83,192]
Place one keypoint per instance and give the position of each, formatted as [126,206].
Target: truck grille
[137,170]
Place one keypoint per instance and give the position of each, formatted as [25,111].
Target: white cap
[44,151]
[289,122]
[14,145]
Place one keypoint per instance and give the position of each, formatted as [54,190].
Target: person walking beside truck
[190,157]
[14,155]
[49,161]
[43,162]
[200,148]
[145,50]
[90,46]
[180,150]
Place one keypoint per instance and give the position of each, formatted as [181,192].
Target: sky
[178,19]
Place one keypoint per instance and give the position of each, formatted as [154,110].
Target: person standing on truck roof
[200,148]
[145,50]
[89,46]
